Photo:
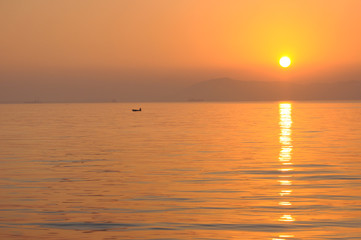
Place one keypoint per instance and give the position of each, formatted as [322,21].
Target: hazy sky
[177,36]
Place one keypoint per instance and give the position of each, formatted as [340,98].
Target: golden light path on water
[285,159]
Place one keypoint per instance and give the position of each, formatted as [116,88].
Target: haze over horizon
[111,50]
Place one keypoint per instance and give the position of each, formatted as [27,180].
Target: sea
[193,170]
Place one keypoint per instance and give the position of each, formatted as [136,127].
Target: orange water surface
[276,171]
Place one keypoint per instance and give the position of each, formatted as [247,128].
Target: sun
[285,61]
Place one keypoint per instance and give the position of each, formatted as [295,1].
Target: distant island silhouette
[323,87]
[227,89]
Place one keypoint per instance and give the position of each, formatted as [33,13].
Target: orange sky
[161,34]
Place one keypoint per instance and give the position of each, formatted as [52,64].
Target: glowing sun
[285,62]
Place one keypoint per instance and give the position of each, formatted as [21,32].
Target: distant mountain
[332,85]
[226,89]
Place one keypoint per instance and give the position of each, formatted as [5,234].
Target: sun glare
[285,62]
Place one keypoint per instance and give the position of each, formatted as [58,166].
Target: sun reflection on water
[285,159]
[283,237]
[285,192]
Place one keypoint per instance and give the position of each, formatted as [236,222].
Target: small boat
[137,110]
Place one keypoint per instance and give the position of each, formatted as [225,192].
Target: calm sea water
[277,171]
